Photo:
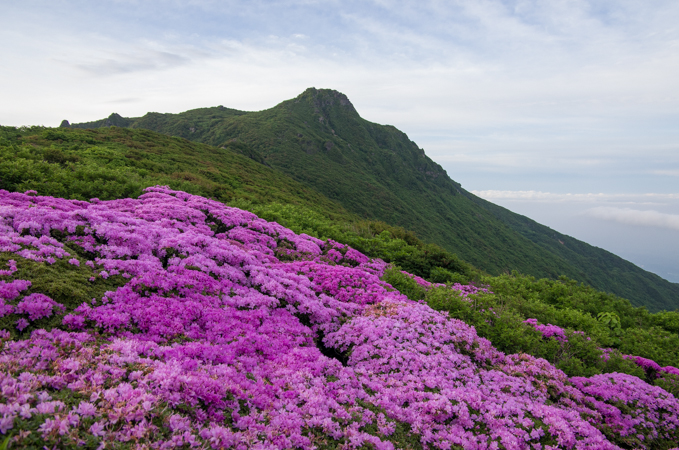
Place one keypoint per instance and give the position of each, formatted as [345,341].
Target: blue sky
[564,111]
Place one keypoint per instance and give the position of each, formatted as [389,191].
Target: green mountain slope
[111,163]
[376,172]
[597,267]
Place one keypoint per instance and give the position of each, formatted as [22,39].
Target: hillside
[376,172]
[112,163]
[174,321]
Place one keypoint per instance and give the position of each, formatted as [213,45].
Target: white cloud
[539,196]
[672,173]
[647,218]
[115,63]
[125,100]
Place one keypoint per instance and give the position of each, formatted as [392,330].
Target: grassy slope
[376,172]
[111,163]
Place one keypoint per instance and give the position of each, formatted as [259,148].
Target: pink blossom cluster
[651,366]
[447,383]
[12,268]
[232,332]
[463,289]
[642,412]
[336,251]
[9,291]
[468,289]
[548,330]
[421,281]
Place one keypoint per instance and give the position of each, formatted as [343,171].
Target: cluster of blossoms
[651,366]
[463,289]
[548,330]
[228,331]
[552,331]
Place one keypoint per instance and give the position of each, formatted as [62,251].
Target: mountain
[376,172]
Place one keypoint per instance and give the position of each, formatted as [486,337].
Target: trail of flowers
[234,332]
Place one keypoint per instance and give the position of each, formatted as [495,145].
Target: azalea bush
[174,321]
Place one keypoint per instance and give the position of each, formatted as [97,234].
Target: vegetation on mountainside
[376,172]
[555,320]
[600,268]
[110,163]
[578,310]
[209,326]
[499,316]
[113,163]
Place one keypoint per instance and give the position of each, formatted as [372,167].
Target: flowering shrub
[227,331]
[9,291]
[37,306]
[549,330]
[639,409]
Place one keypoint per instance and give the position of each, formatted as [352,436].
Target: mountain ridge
[377,172]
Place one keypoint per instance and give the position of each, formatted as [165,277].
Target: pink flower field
[227,331]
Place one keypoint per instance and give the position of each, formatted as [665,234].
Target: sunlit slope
[375,171]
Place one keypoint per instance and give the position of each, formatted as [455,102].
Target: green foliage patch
[65,283]
[585,314]
[111,163]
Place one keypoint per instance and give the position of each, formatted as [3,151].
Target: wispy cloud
[647,218]
[539,196]
[125,100]
[672,173]
[141,60]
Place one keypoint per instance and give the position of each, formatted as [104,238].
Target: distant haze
[643,229]
[564,111]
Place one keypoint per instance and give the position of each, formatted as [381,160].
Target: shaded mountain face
[375,171]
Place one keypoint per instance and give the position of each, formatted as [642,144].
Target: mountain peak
[114,119]
[324,100]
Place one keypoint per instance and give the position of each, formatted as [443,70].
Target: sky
[566,111]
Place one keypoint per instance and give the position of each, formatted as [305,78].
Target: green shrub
[653,343]
[441,275]
[404,284]
[669,320]
[669,382]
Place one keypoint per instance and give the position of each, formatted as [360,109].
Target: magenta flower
[228,331]
[21,324]
[37,306]
[548,330]
[97,429]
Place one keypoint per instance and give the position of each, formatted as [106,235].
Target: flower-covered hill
[174,321]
